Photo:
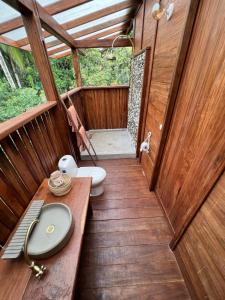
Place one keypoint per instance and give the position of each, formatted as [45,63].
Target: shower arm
[124,36]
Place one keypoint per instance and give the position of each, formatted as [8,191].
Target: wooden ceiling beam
[52,9]
[26,7]
[90,30]
[9,42]
[50,24]
[93,43]
[60,55]
[104,43]
[91,17]
[97,35]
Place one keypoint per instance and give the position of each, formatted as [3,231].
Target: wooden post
[34,32]
[76,67]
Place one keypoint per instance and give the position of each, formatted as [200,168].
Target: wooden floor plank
[124,203]
[141,254]
[130,274]
[126,251]
[112,162]
[147,224]
[153,291]
[121,194]
[126,181]
[127,213]
[157,235]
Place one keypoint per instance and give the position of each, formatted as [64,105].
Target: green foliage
[63,73]
[18,101]
[14,54]
[15,101]
[105,67]
[4,91]
[98,67]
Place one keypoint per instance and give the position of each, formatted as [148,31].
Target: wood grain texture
[149,25]
[76,66]
[11,125]
[149,38]
[128,255]
[201,250]
[28,155]
[138,29]
[154,291]
[53,8]
[16,279]
[104,25]
[166,72]
[194,154]
[88,18]
[105,108]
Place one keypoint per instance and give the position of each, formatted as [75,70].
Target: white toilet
[68,165]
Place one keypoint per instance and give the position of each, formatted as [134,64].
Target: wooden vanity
[17,281]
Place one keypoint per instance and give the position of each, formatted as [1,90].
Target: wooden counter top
[16,280]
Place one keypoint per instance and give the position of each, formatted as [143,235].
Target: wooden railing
[31,144]
[101,107]
[105,107]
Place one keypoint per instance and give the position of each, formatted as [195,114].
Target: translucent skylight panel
[7,12]
[99,31]
[47,2]
[99,21]
[55,47]
[16,34]
[62,52]
[109,35]
[84,9]
[50,39]
[92,24]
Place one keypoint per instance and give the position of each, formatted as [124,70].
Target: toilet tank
[68,165]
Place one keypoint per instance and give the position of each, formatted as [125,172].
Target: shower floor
[111,143]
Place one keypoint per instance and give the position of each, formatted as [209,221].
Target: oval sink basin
[53,231]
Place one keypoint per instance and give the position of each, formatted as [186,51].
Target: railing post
[76,67]
[34,32]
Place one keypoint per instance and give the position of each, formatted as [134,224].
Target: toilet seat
[98,174]
[68,165]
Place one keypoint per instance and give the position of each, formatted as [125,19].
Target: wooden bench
[16,279]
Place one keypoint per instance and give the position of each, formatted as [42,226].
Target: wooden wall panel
[201,251]
[149,26]
[138,29]
[28,155]
[166,68]
[105,108]
[194,154]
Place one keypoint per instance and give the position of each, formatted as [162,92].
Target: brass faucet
[38,270]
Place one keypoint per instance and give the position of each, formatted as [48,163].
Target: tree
[15,58]
[6,71]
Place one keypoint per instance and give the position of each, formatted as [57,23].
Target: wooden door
[170,48]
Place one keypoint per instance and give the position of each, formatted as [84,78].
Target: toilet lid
[98,174]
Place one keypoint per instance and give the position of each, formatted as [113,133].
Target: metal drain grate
[15,246]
